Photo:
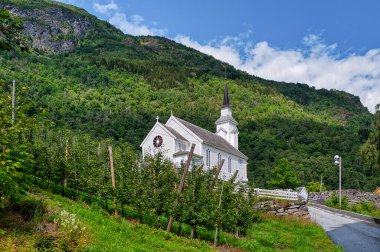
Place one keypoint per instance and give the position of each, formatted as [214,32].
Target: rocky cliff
[50,28]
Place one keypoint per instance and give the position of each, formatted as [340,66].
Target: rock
[281,210]
[304,208]
[282,214]
[353,196]
[272,212]
[298,213]
[292,210]
[294,206]
[53,28]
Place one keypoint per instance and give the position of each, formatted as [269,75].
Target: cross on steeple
[157,118]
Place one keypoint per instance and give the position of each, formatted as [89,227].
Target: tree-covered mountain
[92,78]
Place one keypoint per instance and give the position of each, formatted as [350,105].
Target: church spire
[226,100]
[226,126]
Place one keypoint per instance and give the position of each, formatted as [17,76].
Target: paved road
[352,234]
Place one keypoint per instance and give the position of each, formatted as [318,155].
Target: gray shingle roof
[226,118]
[212,139]
[174,132]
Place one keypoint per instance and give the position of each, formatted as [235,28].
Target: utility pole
[320,187]
[13,101]
[338,161]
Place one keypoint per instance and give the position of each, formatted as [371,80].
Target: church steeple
[226,126]
[226,99]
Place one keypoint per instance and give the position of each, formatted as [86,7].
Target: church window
[219,158]
[208,157]
[181,147]
[229,164]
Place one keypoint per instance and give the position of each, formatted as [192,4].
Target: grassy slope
[108,234]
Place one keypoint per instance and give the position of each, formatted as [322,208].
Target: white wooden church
[174,139]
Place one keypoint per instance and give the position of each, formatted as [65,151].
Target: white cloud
[133,25]
[67,1]
[105,9]
[318,65]
[224,53]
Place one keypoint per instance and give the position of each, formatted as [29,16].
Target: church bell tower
[226,125]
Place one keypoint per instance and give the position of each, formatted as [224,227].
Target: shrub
[334,201]
[73,235]
[29,208]
[315,186]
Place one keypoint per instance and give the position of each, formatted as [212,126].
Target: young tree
[370,150]
[315,186]
[196,204]
[10,28]
[283,176]
[15,157]
[125,173]
[153,186]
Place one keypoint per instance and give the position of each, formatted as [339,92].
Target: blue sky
[326,44]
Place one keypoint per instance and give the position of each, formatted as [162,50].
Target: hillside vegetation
[91,78]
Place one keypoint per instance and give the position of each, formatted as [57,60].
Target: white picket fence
[276,194]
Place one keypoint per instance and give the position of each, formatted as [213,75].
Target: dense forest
[91,79]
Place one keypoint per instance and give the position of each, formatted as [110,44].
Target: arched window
[208,158]
[229,165]
[219,158]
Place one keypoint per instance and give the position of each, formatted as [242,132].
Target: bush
[29,208]
[334,201]
[73,236]
[364,207]
[314,186]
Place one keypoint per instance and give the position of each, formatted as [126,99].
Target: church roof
[212,139]
[174,132]
[226,118]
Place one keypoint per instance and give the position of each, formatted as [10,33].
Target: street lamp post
[338,161]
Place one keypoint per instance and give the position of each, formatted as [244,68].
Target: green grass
[366,208]
[288,234]
[106,233]
[110,234]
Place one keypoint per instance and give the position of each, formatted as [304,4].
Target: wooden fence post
[180,188]
[217,226]
[113,179]
[217,175]
[234,176]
